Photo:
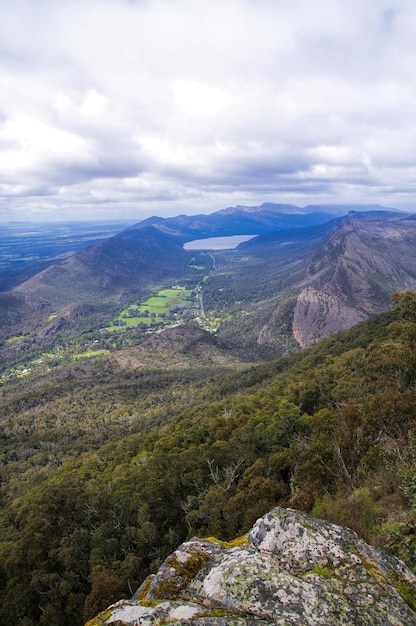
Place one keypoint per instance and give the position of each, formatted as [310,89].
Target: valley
[149,394]
[167,305]
[266,297]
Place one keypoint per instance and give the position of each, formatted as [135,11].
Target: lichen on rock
[294,570]
[178,570]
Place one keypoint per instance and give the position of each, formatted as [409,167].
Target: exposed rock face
[352,275]
[54,328]
[321,314]
[292,571]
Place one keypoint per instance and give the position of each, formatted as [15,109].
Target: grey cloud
[120,105]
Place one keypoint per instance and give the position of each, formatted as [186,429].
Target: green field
[88,354]
[152,310]
[165,300]
[148,321]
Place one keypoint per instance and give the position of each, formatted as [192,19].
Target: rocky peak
[289,570]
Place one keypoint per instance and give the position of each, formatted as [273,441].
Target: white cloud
[116,107]
[198,99]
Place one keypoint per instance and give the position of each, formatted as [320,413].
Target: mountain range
[304,275]
[142,404]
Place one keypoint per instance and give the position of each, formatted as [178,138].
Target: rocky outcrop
[320,314]
[353,274]
[290,570]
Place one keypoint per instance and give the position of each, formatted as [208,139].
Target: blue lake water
[217,243]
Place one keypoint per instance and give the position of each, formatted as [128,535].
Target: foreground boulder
[290,570]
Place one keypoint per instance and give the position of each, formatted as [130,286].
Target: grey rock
[291,570]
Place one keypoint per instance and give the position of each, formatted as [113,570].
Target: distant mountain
[306,284]
[252,220]
[241,220]
[27,248]
[117,268]
[343,209]
[125,266]
[303,277]
[121,269]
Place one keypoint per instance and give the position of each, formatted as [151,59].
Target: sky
[115,109]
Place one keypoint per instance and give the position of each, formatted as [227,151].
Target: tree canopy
[104,474]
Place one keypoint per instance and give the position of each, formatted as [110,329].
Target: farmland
[167,305]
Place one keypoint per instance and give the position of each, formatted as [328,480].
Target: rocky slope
[290,570]
[323,279]
[353,274]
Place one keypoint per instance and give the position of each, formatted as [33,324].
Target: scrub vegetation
[105,468]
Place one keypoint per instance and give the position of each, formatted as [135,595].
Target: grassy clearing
[148,321]
[88,354]
[152,310]
[155,305]
[133,321]
[175,292]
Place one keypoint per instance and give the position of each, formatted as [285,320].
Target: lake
[217,243]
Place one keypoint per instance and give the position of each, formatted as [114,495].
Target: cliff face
[290,570]
[352,275]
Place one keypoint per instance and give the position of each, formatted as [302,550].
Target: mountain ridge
[287,287]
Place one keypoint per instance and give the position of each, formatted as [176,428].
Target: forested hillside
[108,465]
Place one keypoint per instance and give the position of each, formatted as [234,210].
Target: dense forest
[105,471]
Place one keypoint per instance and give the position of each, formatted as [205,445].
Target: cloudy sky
[128,108]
